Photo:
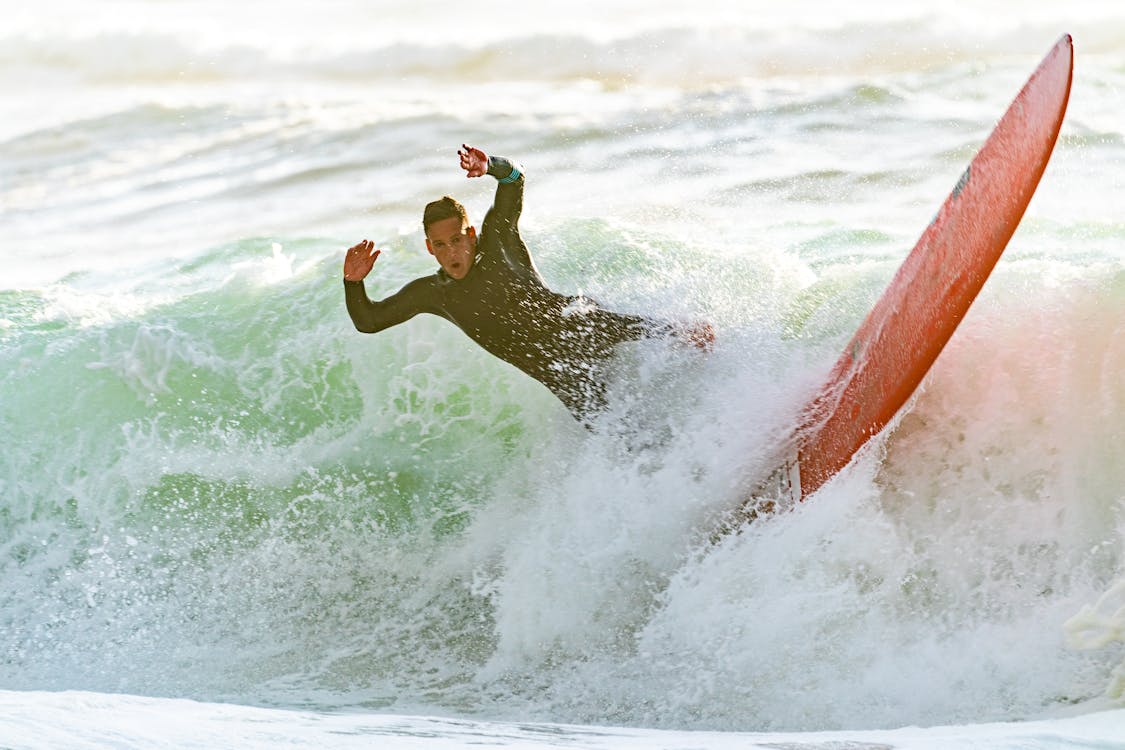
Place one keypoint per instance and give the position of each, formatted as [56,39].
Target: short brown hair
[445,208]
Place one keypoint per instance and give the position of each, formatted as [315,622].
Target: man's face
[454,246]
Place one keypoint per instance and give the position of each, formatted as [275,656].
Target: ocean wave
[243,494]
[678,56]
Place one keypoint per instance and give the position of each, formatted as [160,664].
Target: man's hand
[473,161]
[359,260]
[700,335]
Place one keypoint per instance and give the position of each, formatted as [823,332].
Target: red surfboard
[929,295]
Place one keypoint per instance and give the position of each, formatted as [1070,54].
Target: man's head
[449,238]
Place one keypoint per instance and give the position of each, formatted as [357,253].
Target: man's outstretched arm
[370,316]
[699,334]
[502,220]
[508,203]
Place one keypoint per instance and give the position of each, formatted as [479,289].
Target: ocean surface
[229,519]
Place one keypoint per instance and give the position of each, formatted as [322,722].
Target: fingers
[473,160]
[704,337]
[363,251]
[701,335]
[361,247]
[360,259]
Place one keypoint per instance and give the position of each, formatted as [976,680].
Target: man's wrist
[504,170]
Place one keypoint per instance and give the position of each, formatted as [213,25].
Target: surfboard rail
[927,298]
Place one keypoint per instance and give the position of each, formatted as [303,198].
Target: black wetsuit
[504,305]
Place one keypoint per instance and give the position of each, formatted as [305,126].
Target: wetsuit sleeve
[501,223]
[508,204]
[371,317]
[624,327]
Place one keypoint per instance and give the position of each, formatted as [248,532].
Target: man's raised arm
[508,203]
[369,316]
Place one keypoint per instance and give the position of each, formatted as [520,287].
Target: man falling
[489,288]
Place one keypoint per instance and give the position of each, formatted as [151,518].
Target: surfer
[488,286]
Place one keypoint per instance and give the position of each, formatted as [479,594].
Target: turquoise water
[214,488]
